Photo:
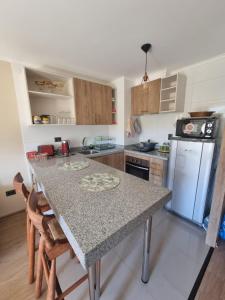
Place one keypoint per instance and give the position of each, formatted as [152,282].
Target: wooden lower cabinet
[158,171]
[115,160]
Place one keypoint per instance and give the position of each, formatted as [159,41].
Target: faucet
[83,143]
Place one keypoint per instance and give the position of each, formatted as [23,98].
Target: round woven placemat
[75,165]
[99,182]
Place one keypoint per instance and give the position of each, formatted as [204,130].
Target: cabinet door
[93,103]
[102,159]
[115,160]
[118,161]
[134,101]
[158,171]
[137,100]
[186,177]
[153,96]
[145,98]
[83,102]
[102,101]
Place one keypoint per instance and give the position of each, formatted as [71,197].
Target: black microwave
[202,128]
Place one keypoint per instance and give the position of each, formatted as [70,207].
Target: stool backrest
[20,187]
[38,220]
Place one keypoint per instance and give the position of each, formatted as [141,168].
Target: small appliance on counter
[65,149]
[197,127]
[49,149]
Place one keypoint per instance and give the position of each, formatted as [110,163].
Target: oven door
[136,170]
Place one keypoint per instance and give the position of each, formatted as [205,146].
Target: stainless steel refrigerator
[189,175]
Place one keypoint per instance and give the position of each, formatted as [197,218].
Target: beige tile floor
[177,253]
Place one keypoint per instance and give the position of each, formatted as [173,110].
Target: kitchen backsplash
[36,136]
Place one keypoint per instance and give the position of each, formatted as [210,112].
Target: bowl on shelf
[50,86]
[199,114]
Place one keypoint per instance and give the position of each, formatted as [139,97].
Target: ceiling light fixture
[146,48]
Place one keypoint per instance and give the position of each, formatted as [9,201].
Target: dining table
[97,207]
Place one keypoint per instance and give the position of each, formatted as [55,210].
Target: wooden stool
[53,243]
[42,206]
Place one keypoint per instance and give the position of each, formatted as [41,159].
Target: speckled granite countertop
[95,222]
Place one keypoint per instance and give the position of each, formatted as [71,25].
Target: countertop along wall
[205,90]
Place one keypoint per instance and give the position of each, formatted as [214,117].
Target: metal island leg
[146,251]
[94,280]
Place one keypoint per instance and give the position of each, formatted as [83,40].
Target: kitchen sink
[90,151]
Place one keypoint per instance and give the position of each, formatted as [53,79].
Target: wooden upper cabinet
[93,102]
[102,99]
[83,102]
[154,96]
[145,98]
[137,103]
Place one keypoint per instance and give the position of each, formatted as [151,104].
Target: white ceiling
[102,38]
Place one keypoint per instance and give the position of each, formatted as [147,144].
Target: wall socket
[58,139]
[10,193]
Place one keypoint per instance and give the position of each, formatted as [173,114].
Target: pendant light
[146,48]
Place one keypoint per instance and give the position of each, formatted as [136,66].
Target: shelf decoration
[50,85]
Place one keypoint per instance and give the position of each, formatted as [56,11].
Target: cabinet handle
[137,167]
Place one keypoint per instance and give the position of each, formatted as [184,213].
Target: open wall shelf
[48,95]
[51,95]
[114,107]
[172,94]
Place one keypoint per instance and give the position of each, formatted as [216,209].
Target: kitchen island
[95,222]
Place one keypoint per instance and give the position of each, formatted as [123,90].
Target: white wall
[127,114]
[123,108]
[157,127]
[34,136]
[11,147]
[205,90]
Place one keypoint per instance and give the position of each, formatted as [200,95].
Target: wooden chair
[42,206]
[53,243]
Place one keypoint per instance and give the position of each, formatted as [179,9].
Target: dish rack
[104,143]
